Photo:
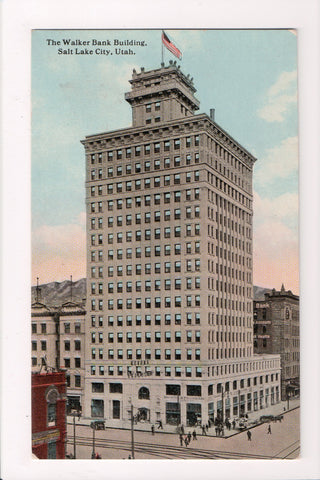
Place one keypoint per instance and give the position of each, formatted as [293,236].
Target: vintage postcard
[165,306]
[163,320]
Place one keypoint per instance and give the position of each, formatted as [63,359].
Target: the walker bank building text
[169,265]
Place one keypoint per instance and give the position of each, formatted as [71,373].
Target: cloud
[279,162]
[280,97]
[276,241]
[276,256]
[59,251]
[284,208]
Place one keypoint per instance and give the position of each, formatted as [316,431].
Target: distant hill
[56,293]
[258,292]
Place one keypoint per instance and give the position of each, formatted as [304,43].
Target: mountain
[57,293]
[258,292]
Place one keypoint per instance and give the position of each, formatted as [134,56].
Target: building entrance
[173,414]
[193,414]
[143,414]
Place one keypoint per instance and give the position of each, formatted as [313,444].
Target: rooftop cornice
[132,135]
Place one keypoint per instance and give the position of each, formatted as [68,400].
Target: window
[43,345]
[144,393]
[115,387]
[194,390]
[51,415]
[97,408]
[97,387]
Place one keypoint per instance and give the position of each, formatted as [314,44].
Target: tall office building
[169,264]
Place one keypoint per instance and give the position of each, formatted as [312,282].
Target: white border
[18,18]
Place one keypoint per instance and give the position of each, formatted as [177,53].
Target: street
[282,442]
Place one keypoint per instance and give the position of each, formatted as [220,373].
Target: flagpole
[162,53]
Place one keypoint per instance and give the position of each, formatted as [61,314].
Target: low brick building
[49,415]
[276,330]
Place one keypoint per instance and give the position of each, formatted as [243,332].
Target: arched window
[144,393]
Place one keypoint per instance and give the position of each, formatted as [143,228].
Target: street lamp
[93,426]
[74,415]
[132,430]
[222,408]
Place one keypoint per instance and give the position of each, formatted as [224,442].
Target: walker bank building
[169,265]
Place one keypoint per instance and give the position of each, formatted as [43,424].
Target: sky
[248,76]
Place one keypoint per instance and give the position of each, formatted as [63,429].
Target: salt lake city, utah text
[67,46]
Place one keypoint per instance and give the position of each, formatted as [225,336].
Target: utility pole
[74,436]
[222,398]
[132,434]
[93,426]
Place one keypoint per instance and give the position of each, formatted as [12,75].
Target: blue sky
[248,76]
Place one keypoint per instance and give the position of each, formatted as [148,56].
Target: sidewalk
[253,420]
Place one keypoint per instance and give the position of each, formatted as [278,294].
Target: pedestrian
[207,427]
[269,429]
[233,424]
[189,437]
[186,441]
[194,435]
[216,430]
[181,439]
[160,425]
[182,429]
[152,429]
[249,435]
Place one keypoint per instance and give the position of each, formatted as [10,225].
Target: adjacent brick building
[49,415]
[276,330]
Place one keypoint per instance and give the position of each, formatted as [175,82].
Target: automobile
[278,418]
[98,425]
[267,418]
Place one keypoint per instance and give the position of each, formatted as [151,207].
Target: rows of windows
[230,209]
[146,167]
[76,361]
[146,354]
[177,231]
[158,319]
[68,327]
[43,328]
[76,380]
[147,269]
[158,371]
[242,383]
[146,149]
[119,204]
[147,302]
[138,337]
[190,194]
[147,285]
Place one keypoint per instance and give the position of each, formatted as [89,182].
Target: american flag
[170,46]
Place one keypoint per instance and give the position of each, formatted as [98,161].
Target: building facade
[49,415]
[276,330]
[57,342]
[169,264]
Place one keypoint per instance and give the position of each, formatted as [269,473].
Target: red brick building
[276,330]
[49,415]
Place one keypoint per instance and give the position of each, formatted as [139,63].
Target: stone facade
[57,342]
[276,330]
[169,261]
